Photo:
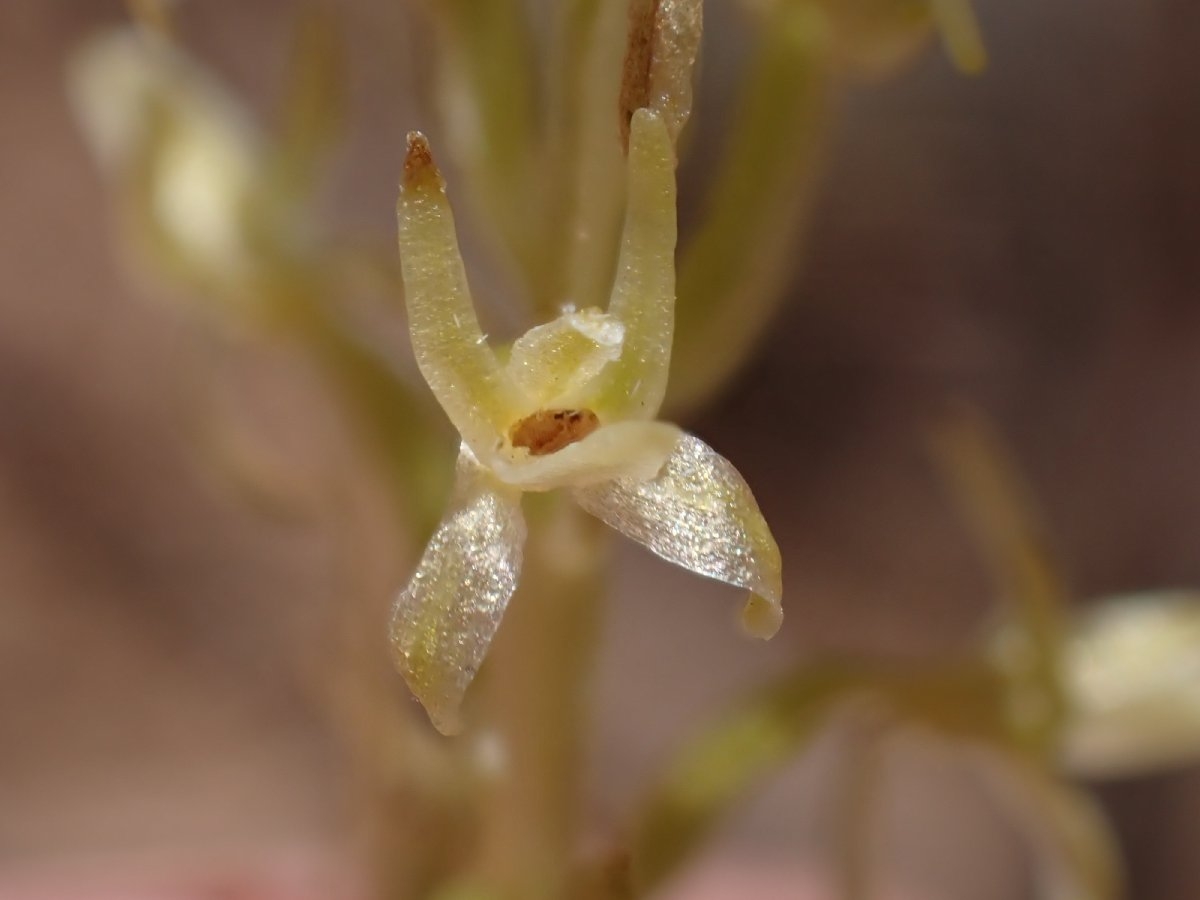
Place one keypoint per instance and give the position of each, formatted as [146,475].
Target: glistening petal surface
[444,621]
[699,513]
[643,297]
[636,450]
[451,349]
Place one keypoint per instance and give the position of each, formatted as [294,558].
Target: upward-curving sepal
[451,349]
[444,621]
[643,297]
[699,513]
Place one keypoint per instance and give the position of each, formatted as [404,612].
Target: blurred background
[1028,238]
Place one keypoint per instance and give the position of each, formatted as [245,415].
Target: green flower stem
[860,776]
[401,430]
[584,162]
[1076,852]
[961,36]
[718,767]
[414,796]
[776,724]
[312,110]
[489,74]
[531,706]
[731,271]
[999,508]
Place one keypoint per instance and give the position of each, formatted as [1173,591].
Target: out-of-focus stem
[718,766]
[153,15]
[730,272]
[861,772]
[955,20]
[409,793]
[1076,850]
[532,709]
[585,153]
[568,65]
[312,110]
[777,722]
[1000,510]
[415,795]
[490,102]
[390,419]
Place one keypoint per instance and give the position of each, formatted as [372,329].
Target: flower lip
[550,430]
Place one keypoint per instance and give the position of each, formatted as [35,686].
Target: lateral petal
[635,450]
[699,513]
[444,621]
[451,349]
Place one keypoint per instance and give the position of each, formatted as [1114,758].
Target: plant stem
[389,418]
[534,711]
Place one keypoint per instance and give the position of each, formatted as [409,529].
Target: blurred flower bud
[1132,670]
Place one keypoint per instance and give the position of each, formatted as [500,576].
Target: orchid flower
[572,408]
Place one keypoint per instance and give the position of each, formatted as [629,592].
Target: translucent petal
[553,363]
[643,296]
[450,348]
[1133,682]
[699,513]
[635,450]
[443,622]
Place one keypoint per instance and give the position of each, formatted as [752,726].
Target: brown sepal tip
[420,171]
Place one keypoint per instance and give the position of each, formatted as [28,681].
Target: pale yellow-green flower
[1132,673]
[573,408]
[183,153]
[212,202]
